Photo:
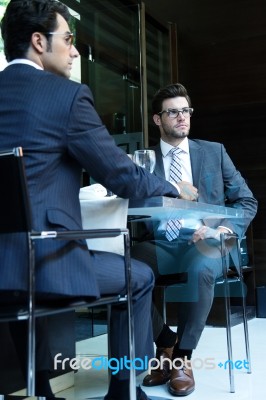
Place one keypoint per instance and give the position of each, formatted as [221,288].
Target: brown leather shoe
[160,376]
[182,380]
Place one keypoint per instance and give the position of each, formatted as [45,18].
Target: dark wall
[227,84]
[222,62]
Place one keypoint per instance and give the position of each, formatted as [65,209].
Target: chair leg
[244,309]
[245,323]
[228,314]
[164,305]
[31,323]
[109,309]
[229,336]
[132,377]
[228,309]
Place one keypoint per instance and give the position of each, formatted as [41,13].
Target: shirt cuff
[225,227]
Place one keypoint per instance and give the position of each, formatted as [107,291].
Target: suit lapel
[159,168]
[196,159]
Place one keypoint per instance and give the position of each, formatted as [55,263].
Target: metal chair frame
[15,216]
[239,272]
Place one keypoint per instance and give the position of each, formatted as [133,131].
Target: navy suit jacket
[55,122]
[218,182]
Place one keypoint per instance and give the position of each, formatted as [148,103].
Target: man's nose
[180,115]
[74,52]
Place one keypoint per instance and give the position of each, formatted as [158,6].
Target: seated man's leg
[164,337]
[111,277]
[159,260]
[202,263]
[44,361]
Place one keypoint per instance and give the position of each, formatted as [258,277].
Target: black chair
[15,216]
[169,286]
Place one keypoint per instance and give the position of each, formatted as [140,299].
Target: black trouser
[19,334]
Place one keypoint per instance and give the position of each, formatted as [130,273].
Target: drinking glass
[145,159]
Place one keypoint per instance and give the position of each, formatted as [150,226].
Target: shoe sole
[181,393]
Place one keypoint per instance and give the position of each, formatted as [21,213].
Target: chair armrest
[79,234]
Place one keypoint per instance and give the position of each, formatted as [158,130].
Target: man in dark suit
[54,120]
[189,246]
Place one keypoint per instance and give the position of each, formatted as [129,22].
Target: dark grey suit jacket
[55,122]
[218,182]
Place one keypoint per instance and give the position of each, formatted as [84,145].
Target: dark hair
[170,91]
[24,17]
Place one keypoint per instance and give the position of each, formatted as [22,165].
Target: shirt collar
[24,61]
[166,147]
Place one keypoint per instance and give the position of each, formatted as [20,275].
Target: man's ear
[157,119]
[38,42]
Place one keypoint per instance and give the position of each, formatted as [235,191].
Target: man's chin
[181,135]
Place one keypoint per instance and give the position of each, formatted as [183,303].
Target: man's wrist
[177,187]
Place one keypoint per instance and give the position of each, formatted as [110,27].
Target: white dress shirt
[186,175]
[184,158]
[24,61]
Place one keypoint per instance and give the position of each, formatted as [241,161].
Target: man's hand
[204,232]
[187,191]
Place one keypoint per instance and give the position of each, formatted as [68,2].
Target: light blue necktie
[173,225]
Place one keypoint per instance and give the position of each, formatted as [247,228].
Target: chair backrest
[15,212]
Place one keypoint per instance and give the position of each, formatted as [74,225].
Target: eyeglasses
[69,37]
[174,112]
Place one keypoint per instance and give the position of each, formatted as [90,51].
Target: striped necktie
[173,225]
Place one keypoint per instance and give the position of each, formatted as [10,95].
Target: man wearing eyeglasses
[203,172]
[54,120]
